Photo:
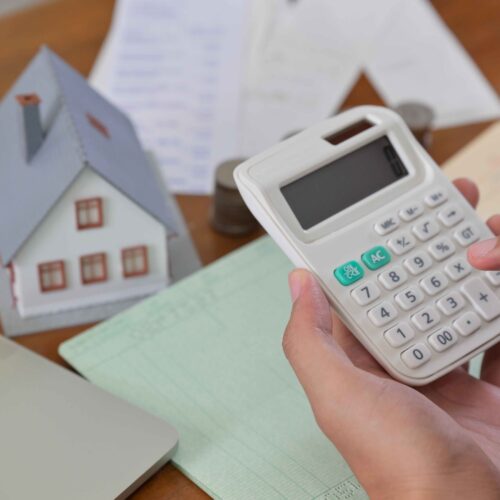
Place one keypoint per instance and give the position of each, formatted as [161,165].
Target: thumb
[326,373]
[485,254]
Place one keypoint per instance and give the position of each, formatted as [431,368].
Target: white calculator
[360,203]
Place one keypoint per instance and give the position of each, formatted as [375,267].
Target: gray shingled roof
[29,190]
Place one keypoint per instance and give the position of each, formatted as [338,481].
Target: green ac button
[349,273]
[376,258]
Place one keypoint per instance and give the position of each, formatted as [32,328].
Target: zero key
[482,297]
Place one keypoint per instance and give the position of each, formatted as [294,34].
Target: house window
[52,276]
[89,213]
[93,268]
[135,261]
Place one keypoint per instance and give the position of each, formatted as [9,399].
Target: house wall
[57,238]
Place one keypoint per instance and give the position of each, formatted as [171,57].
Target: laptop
[61,437]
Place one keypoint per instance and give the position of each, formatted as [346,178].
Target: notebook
[206,355]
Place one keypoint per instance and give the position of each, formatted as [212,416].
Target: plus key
[485,302]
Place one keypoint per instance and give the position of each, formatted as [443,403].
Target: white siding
[57,238]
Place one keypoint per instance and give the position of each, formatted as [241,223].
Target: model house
[83,219]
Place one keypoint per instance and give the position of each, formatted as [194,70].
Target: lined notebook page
[206,355]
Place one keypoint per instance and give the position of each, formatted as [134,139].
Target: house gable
[72,142]
[57,238]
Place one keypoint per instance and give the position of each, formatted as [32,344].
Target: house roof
[28,190]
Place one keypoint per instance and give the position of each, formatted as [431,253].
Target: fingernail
[295,285]
[483,248]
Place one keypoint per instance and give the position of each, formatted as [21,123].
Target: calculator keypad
[387,225]
[458,269]
[493,277]
[416,355]
[424,300]
[426,319]
[450,215]
[418,263]
[393,278]
[443,339]
[402,243]
[451,303]
[366,293]
[482,297]
[442,248]
[383,313]
[467,324]
[426,229]
[409,298]
[434,283]
[399,335]
[466,234]
[411,212]
[436,198]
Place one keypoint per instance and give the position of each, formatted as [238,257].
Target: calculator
[357,200]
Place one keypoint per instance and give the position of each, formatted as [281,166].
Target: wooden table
[75,29]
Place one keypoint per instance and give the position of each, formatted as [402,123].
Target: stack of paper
[205,81]
[175,68]
[206,355]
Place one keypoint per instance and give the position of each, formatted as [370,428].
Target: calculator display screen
[347,180]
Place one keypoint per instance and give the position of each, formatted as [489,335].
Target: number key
[434,283]
[418,263]
[382,314]
[443,339]
[393,278]
[366,293]
[399,335]
[409,298]
[416,355]
[426,319]
[451,303]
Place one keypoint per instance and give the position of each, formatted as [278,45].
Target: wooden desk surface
[75,29]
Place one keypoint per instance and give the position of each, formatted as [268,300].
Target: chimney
[32,125]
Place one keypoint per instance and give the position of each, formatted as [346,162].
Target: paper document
[307,67]
[206,355]
[176,68]
[205,81]
[417,58]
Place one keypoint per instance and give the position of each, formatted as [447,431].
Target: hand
[439,441]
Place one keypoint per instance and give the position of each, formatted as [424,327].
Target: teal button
[349,273]
[376,258]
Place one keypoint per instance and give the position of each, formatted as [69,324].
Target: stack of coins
[230,215]
[419,118]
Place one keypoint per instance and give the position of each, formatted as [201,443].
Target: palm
[474,405]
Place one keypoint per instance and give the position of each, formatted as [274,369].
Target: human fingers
[490,368]
[468,189]
[486,254]
[357,410]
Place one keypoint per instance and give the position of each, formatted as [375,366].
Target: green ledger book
[206,355]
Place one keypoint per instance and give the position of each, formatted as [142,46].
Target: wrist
[471,475]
